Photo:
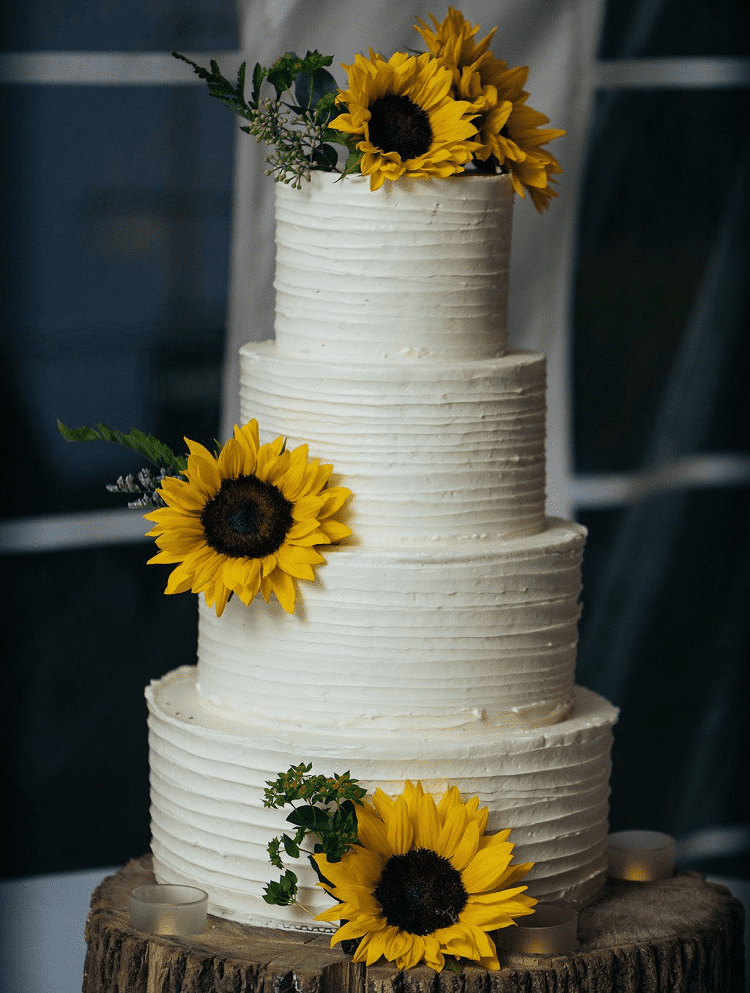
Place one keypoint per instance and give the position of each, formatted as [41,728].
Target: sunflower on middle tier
[408,119]
[247,520]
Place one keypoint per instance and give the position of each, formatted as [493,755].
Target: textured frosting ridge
[429,449]
[412,266]
[409,639]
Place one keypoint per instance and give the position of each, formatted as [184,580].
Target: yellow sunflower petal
[231,460]
[179,581]
[372,832]
[433,956]
[271,462]
[376,944]
[450,799]
[357,867]
[283,587]
[333,500]
[300,529]
[410,951]
[458,940]
[516,872]
[316,537]
[335,530]
[400,833]
[454,825]
[266,587]
[382,803]
[293,481]
[290,561]
[220,600]
[427,828]
[202,468]
[485,871]
[355,929]
[465,851]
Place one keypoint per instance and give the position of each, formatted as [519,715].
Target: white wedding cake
[438,643]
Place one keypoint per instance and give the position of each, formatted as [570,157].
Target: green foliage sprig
[145,483]
[326,811]
[297,127]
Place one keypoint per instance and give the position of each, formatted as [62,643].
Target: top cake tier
[418,267]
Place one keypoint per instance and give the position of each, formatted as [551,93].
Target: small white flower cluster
[293,137]
[144,483]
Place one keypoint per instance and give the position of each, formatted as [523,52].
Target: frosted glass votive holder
[641,856]
[550,930]
[164,908]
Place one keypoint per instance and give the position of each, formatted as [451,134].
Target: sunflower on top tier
[511,134]
[247,520]
[407,116]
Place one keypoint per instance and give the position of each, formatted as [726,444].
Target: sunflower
[410,123]
[453,39]
[511,133]
[424,882]
[246,520]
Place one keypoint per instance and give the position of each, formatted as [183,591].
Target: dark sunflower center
[397,124]
[420,892]
[247,517]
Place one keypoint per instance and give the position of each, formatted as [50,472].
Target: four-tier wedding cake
[438,642]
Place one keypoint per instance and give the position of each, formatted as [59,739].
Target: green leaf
[289,881]
[290,846]
[282,893]
[259,74]
[326,157]
[151,448]
[274,848]
[309,817]
[312,86]
[282,73]
[352,164]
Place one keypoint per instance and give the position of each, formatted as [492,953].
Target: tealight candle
[163,908]
[550,930]
[641,856]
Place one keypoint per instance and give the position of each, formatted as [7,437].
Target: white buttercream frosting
[416,266]
[439,642]
[408,639]
[209,770]
[428,448]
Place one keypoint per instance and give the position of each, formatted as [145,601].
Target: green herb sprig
[326,811]
[145,483]
[296,127]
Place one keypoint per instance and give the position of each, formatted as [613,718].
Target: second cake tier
[429,448]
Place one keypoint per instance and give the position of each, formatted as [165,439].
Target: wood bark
[680,935]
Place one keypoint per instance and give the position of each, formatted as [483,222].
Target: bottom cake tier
[209,770]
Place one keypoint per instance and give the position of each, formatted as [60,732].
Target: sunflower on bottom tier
[247,520]
[424,882]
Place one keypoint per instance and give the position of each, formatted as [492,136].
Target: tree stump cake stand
[679,935]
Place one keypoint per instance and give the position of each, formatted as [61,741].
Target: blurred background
[138,257]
